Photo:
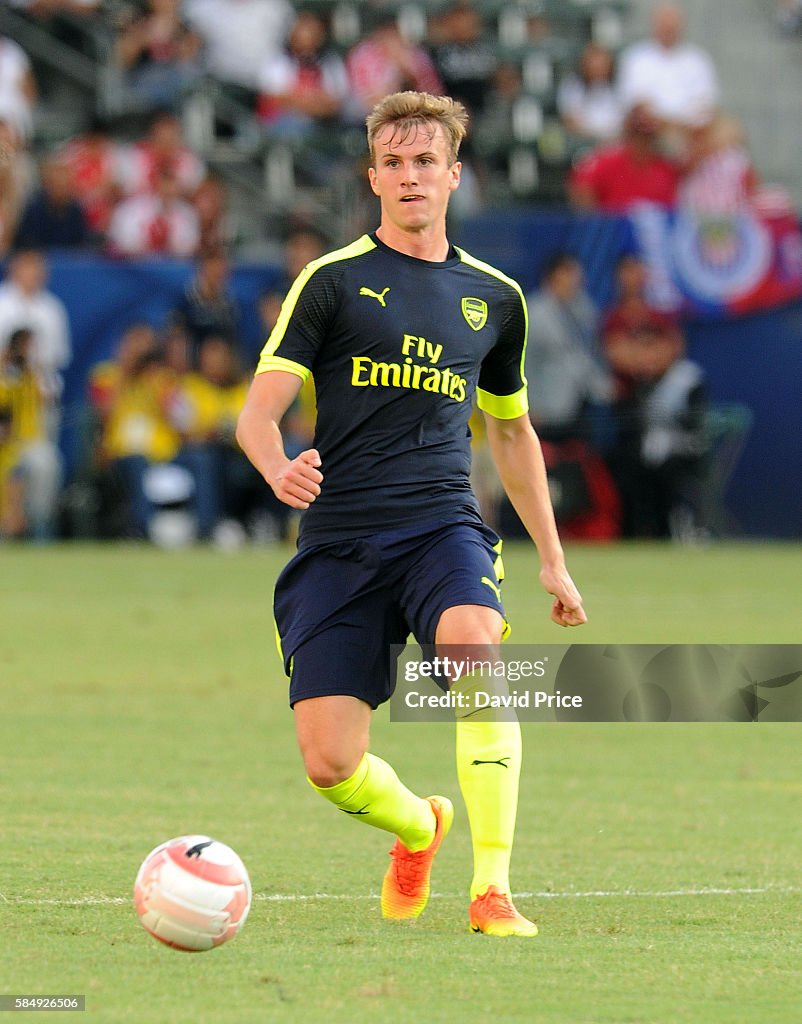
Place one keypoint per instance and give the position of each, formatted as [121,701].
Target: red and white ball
[192,893]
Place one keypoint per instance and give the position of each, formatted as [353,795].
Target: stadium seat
[346,25]
[538,73]
[527,119]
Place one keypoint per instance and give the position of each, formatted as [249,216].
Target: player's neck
[425,245]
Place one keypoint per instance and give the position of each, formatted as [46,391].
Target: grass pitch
[142,698]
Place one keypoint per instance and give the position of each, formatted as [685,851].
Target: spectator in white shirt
[676,79]
[26,302]
[155,223]
[588,101]
[239,35]
[17,86]
[17,174]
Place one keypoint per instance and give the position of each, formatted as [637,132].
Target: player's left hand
[567,609]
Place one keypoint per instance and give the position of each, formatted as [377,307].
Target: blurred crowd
[618,405]
[617,402]
[152,197]
[634,124]
[156,435]
[619,408]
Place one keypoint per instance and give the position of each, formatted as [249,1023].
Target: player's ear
[455,170]
[373,182]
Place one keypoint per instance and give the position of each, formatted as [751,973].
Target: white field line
[99,901]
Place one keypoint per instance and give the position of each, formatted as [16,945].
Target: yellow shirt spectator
[21,395]
[208,411]
[134,409]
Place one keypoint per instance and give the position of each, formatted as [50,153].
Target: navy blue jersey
[399,348]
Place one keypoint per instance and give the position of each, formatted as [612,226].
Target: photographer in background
[204,411]
[30,463]
[130,396]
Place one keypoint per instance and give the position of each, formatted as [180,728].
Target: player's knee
[473,625]
[325,769]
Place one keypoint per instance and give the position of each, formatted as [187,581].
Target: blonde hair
[408,111]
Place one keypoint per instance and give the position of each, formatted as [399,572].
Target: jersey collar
[452,260]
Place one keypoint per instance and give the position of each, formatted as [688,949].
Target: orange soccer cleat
[405,890]
[494,914]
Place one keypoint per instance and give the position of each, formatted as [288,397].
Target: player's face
[412,176]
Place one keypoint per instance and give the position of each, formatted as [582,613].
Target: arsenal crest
[475,312]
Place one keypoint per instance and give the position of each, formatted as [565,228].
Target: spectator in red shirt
[719,176]
[614,178]
[629,319]
[93,160]
[305,84]
[385,62]
[657,458]
[161,151]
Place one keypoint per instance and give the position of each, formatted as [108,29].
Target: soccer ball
[192,893]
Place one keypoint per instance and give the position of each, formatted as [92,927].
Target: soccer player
[401,331]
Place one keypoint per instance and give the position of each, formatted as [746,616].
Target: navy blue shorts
[340,606]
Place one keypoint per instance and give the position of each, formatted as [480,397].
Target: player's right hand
[297,484]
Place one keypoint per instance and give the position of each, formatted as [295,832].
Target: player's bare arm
[519,460]
[296,481]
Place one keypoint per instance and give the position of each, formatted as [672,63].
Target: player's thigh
[452,590]
[336,618]
[351,654]
[333,735]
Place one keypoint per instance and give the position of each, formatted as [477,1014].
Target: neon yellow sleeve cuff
[503,407]
[271,362]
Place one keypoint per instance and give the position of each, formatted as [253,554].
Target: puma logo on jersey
[375,295]
[492,586]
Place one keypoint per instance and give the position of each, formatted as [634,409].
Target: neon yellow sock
[374,794]
[488,769]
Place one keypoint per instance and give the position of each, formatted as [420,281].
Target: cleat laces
[498,903]
[410,868]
